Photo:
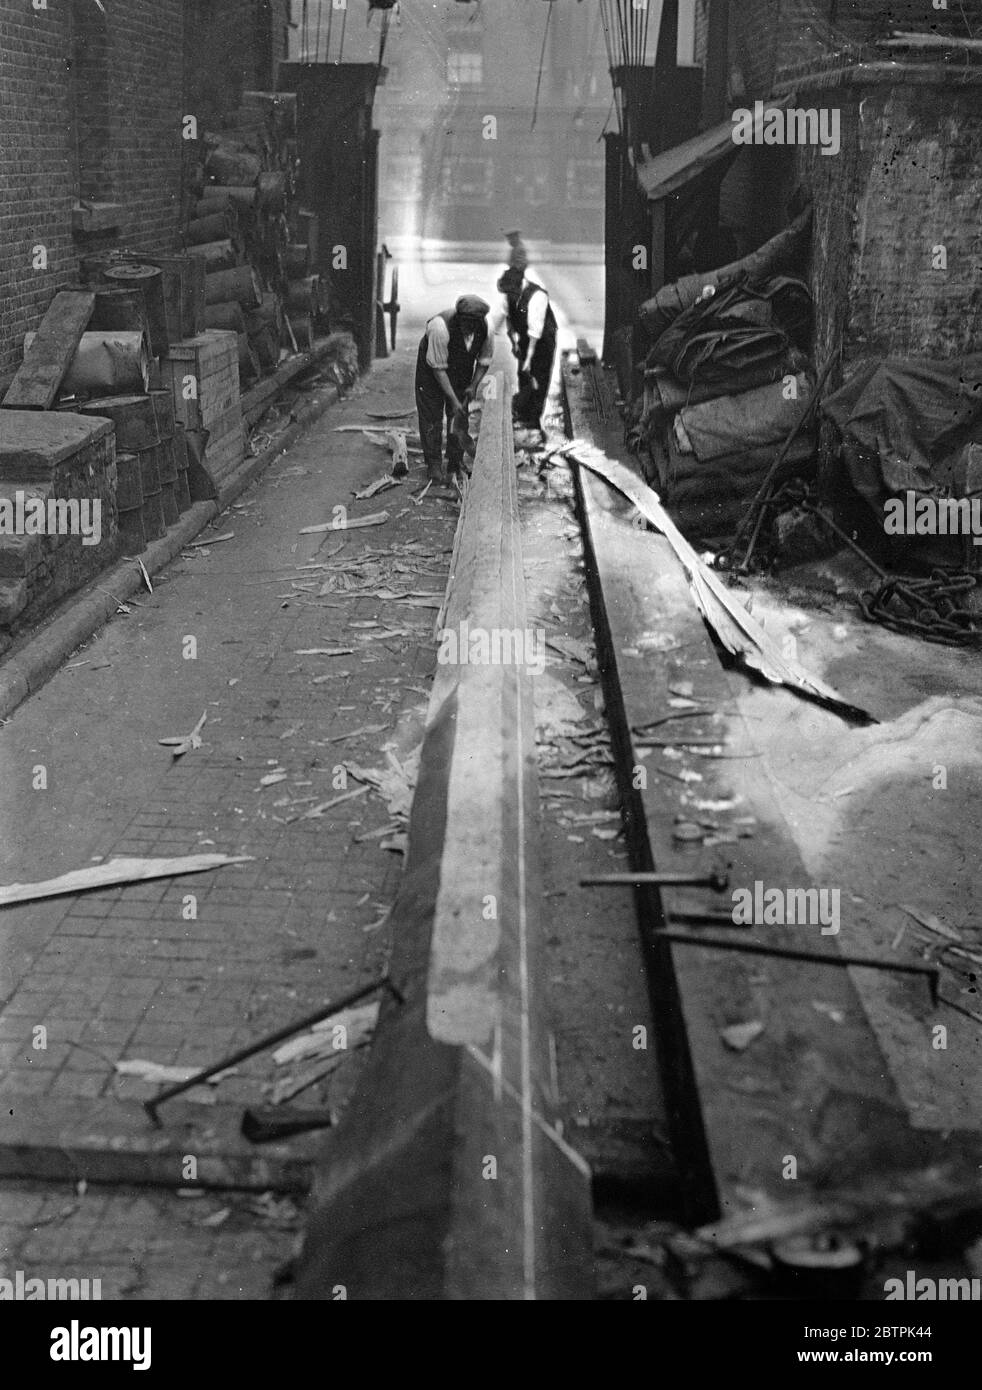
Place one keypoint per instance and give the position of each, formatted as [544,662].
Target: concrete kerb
[33,661]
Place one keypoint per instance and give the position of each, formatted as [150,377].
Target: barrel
[301,295]
[166,462]
[226,316]
[132,533]
[135,418]
[119,308]
[213,226]
[129,482]
[152,511]
[163,409]
[243,197]
[265,347]
[106,362]
[142,275]
[184,294]
[95,264]
[235,167]
[241,284]
[149,472]
[217,255]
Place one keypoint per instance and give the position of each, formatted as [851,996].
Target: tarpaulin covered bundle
[736,331]
[708,498]
[906,423]
[734,423]
[785,253]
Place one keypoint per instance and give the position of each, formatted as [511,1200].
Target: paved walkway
[129,973]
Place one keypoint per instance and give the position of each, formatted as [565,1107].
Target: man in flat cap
[454,354]
[532,329]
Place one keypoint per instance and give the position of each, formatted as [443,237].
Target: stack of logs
[244,221]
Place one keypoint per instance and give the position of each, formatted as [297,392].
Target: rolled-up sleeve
[437,344]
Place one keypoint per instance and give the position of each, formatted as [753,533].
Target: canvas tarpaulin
[907,420]
[785,253]
[733,423]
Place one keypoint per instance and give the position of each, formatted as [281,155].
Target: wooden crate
[212,358]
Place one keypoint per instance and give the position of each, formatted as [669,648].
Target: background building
[450,67]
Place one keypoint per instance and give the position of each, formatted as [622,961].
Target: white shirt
[538,304]
[438,344]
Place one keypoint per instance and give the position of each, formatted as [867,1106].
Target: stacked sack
[725,383]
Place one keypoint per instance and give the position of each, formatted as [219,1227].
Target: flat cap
[471,306]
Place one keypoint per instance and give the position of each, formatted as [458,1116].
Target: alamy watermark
[915,514]
[497,646]
[791,125]
[933,1290]
[23,515]
[22,1289]
[787,907]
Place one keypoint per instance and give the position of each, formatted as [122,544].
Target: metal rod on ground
[756,948]
[719,882]
[755,510]
[150,1106]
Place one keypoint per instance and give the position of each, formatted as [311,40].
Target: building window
[532,180]
[465,68]
[585,183]
[468,181]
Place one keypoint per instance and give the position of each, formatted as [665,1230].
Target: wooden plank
[459,1069]
[36,383]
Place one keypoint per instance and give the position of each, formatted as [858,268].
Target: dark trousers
[431,408]
[530,400]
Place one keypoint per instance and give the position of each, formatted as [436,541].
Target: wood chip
[351,524]
[932,923]
[213,540]
[116,871]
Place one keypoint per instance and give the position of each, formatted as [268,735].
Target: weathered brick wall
[146,106]
[123,78]
[36,174]
[905,181]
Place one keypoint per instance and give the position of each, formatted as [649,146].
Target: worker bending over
[454,354]
[532,330]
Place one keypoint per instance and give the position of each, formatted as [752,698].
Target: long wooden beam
[448,1178]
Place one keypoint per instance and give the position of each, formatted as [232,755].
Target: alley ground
[127,974]
[124,975]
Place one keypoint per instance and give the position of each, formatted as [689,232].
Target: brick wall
[36,166]
[125,84]
[906,180]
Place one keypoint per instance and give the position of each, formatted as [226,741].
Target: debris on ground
[184,743]
[314,1055]
[115,871]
